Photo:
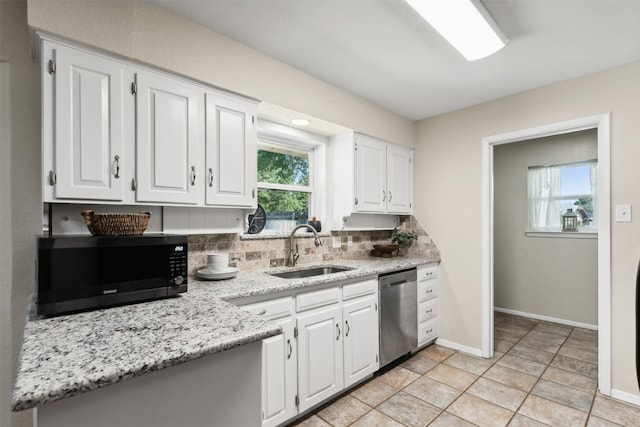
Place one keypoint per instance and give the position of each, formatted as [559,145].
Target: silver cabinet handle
[430,291]
[210,177]
[193,175]
[390,195]
[338,329]
[430,311]
[346,334]
[116,160]
[262,312]
[384,195]
[290,349]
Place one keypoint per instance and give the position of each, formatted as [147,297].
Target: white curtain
[544,206]
[593,180]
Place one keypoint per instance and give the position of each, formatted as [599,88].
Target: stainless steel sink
[310,272]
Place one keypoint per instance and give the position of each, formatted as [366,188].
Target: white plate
[206,274]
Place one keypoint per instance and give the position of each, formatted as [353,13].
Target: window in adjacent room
[554,189]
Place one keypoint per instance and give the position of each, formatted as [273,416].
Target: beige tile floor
[542,374]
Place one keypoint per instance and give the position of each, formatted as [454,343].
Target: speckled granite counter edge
[26,394]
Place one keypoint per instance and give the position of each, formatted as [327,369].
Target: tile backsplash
[256,252]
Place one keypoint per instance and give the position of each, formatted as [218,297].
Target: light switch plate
[337,241]
[623,213]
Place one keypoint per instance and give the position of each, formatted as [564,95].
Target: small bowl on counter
[386,250]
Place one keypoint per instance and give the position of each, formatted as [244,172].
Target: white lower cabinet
[329,341]
[320,373]
[427,304]
[279,362]
[361,334]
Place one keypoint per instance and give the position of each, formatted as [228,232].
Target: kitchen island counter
[72,354]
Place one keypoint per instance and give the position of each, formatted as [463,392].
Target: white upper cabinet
[369,175]
[231,152]
[170,135]
[120,133]
[399,179]
[84,125]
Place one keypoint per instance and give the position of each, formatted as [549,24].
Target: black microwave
[79,273]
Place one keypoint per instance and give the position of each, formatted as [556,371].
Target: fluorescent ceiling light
[300,122]
[465,24]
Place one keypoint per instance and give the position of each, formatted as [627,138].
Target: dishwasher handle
[388,284]
[397,278]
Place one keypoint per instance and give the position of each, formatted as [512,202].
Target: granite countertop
[68,355]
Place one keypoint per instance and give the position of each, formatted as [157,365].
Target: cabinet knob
[193,175]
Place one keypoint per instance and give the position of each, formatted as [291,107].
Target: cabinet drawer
[272,309]
[427,272]
[355,290]
[427,310]
[315,299]
[427,331]
[427,290]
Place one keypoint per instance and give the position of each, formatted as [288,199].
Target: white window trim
[316,145]
[587,233]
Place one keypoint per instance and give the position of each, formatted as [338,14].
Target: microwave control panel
[178,265]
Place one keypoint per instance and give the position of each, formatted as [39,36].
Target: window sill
[267,236]
[563,234]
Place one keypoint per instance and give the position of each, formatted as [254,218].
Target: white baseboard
[463,348]
[547,318]
[625,397]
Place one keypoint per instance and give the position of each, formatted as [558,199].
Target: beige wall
[151,35]
[20,202]
[448,196]
[553,277]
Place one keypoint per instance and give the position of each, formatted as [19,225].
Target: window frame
[315,146]
[586,232]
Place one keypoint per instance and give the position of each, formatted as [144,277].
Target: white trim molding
[459,347]
[547,318]
[601,123]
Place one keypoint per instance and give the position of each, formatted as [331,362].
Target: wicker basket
[116,224]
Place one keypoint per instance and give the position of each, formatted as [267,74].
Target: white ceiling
[383,51]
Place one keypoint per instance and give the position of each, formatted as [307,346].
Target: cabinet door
[231,141]
[279,375]
[361,340]
[320,371]
[371,191]
[170,140]
[89,129]
[399,179]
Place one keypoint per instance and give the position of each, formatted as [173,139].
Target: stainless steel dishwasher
[398,314]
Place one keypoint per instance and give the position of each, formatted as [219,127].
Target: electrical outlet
[349,241]
[337,242]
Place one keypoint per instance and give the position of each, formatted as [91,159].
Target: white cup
[217,262]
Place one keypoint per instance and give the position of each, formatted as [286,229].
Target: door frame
[601,123]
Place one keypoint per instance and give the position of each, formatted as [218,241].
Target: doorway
[602,125]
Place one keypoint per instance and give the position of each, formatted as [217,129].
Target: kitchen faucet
[293,256]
